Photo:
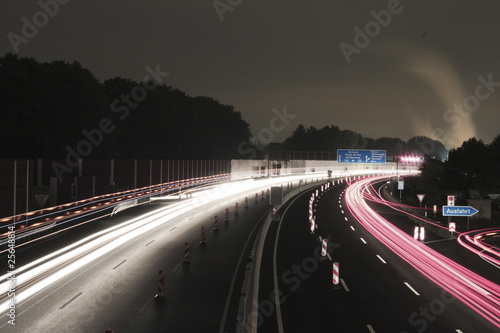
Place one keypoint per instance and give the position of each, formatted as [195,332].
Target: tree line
[471,170]
[332,138]
[49,110]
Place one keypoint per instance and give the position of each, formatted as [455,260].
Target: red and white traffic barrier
[186,252]
[267,193]
[415,233]
[324,246]
[335,273]
[161,277]
[262,196]
[236,208]
[216,226]
[203,235]
[227,215]
[313,226]
[274,211]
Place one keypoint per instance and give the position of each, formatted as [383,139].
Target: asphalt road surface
[377,291]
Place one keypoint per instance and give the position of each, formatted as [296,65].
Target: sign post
[420,198]
[401,187]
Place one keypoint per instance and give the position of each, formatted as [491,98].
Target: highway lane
[382,288]
[116,288]
[447,246]
[116,291]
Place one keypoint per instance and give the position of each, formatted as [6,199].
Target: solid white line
[381,259]
[277,301]
[233,281]
[352,228]
[329,256]
[411,288]
[370,328]
[343,283]
[363,240]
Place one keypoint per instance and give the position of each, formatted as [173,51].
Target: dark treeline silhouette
[331,138]
[48,109]
[474,166]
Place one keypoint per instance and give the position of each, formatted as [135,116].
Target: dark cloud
[266,55]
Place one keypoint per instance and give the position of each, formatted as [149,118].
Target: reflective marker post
[335,273]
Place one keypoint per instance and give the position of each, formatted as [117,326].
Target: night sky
[431,68]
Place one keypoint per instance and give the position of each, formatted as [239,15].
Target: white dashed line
[411,288]
[343,284]
[352,228]
[381,259]
[363,240]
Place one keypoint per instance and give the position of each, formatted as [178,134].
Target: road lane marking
[352,228]
[329,256]
[119,264]
[342,211]
[343,284]
[458,331]
[149,242]
[173,228]
[370,328]
[71,300]
[363,240]
[345,218]
[146,305]
[177,267]
[381,259]
[340,206]
[411,288]
[277,301]
[233,281]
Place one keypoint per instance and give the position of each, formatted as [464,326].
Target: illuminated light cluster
[410,159]
[480,294]
[59,264]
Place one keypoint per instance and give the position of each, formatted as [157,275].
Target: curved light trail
[476,241]
[480,294]
[37,276]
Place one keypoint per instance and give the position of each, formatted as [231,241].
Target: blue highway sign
[459,211]
[360,156]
